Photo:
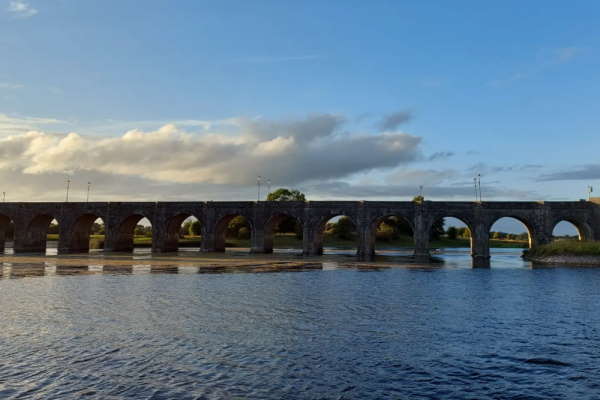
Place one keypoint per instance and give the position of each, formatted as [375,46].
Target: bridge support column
[480,246]
[366,243]
[312,241]
[421,237]
[209,237]
[2,240]
[258,241]
[116,238]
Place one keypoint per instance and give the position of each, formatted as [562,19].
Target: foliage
[97,243]
[343,229]
[97,229]
[53,228]
[235,225]
[565,247]
[452,233]
[141,230]
[283,194]
[190,228]
[418,199]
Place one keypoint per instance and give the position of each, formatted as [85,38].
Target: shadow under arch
[35,236]
[7,231]
[392,228]
[221,230]
[173,231]
[583,230]
[124,234]
[326,231]
[272,227]
[80,235]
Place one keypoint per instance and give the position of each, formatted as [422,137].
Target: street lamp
[258,184]
[68,186]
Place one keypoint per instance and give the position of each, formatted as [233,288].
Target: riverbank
[570,252]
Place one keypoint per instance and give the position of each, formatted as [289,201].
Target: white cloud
[292,152]
[11,125]
[21,8]
[9,85]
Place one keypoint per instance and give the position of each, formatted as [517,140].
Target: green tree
[344,229]
[283,194]
[195,228]
[235,225]
[452,233]
[437,229]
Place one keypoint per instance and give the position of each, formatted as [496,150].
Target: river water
[439,331]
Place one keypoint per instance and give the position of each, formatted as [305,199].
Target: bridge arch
[122,236]
[315,234]
[35,236]
[392,227]
[273,225]
[582,229]
[222,228]
[173,226]
[80,233]
[463,228]
[532,234]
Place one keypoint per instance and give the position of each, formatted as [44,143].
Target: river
[334,330]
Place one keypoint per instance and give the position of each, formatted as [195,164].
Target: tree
[452,233]
[283,194]
[343,229]
[437,229]
[195,228]
[235,225]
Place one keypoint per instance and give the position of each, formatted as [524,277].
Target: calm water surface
[443,331]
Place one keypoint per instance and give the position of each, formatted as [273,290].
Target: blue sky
[342,99]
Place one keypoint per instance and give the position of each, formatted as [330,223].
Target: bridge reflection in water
[31,222]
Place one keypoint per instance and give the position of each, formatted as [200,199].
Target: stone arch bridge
[31,221]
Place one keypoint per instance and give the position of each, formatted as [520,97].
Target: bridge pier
[480,246]
[421,235]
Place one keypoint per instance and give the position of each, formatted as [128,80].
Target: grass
[565,247]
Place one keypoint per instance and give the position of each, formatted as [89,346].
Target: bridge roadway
[31,221]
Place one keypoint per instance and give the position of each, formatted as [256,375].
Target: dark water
[439,332]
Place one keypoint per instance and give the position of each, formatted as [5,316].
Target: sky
[193,100]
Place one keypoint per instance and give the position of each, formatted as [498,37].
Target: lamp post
[258,185]
[479,184]
[590,190]
[269,187]
[68,186]
[87,197]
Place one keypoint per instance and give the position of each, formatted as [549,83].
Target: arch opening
[567,230]
[7,234]
[234,232]
[88,234]
[134,234]
[283,233]
[510,232]
[41,235]
[394,235]
[184,232]
[450,232]
[337,235]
